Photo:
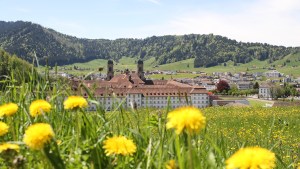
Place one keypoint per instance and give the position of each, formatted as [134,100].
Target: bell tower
[140,69]
[110,70]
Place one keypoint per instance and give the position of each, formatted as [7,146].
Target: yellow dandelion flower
[8,109]
[39,107]
[119,145]
[3,128]
[58,142]
[37,135]
[171,164]
[74,102]
[9,146]
[251,157]
[188,118]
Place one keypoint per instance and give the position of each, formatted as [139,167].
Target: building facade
[273,74]
[264,91]
[244,85]
[133,90]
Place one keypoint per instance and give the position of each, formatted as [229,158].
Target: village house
[264,91]
[273,74]
[244,85]
[209,85]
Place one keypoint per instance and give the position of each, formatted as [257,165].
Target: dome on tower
[140,62]
[110,62]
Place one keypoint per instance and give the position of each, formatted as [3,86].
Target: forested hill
[14,70]
[30,41]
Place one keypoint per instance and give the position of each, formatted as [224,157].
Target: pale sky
[268,21]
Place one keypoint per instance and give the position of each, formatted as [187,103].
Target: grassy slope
[187,65]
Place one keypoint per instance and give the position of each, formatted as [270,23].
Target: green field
[258,103]
[291,67]
[79,136]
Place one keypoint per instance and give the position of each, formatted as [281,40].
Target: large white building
[273,74]
[133,90]
[264,91]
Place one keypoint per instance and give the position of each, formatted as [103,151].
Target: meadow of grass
[175,76]
[291,67]
[80,135]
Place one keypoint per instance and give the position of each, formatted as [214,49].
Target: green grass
[188,65]
[178,75]
[258,103]
[181,65]
[80,135]
[185,65]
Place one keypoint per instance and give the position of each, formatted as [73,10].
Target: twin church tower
[110,70]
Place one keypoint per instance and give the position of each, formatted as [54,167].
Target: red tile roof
[124,84]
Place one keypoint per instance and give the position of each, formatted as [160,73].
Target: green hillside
[285,66]
[13,70]
[46,46]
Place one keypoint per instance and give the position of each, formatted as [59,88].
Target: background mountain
[33,42]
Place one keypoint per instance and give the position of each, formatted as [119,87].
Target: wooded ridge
[30,41]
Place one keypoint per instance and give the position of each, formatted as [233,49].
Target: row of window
[200,102]
[154,101]
[201,98]
[154,97]
[93,108]
[264,91]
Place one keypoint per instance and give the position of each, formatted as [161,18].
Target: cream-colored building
[133,90]
[264,91]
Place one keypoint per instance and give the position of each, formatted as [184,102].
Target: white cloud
[270,21]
